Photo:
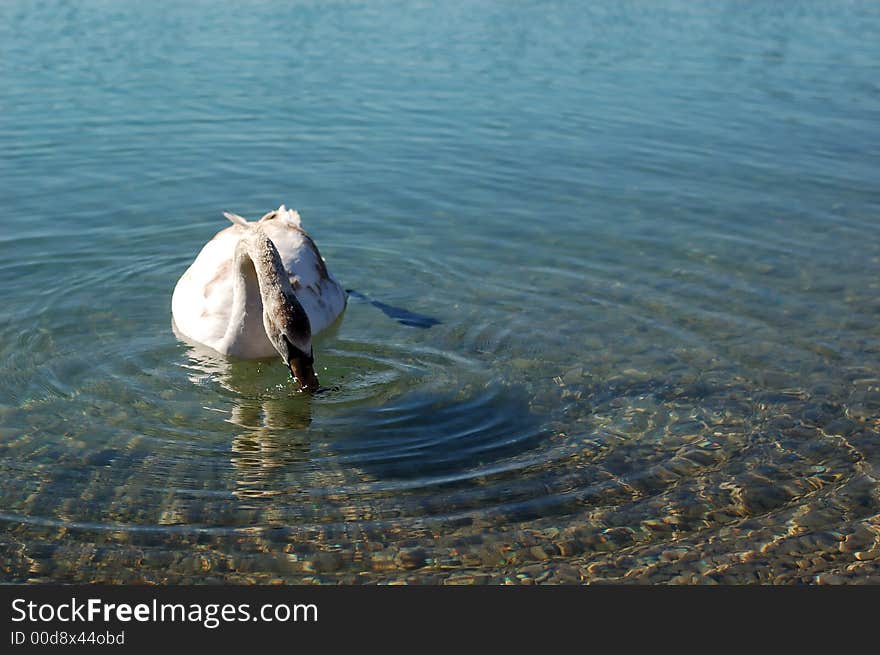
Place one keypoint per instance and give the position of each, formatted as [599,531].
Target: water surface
[647,233]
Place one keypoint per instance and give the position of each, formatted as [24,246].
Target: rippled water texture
[645,235]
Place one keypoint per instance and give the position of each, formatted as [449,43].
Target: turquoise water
[648,231]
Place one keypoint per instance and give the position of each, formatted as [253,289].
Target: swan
[259,289]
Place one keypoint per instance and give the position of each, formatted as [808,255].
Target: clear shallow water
[648,231]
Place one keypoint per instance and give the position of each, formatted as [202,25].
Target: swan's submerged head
[287,326]
[285,321]
[302,367]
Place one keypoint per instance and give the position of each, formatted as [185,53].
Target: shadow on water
[419,439]
[399,314]
[413,435]
[422,434]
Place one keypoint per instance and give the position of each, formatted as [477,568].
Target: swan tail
[291,216]
[236,219]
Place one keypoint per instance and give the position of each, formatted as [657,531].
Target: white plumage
[221,302]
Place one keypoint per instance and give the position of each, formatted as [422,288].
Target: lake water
[648,230]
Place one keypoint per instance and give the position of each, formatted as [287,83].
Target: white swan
[258,289]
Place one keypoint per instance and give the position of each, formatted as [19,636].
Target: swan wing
[317,290]
[202,300]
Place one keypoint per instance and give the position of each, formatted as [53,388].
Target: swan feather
[202,300]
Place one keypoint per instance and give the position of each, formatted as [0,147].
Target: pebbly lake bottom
[649,433]
[688,479]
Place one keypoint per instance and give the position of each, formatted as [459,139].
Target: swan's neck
[259,283]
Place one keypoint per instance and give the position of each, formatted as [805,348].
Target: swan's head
[290,333]
[302,366]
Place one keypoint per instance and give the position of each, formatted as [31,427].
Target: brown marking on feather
[320,266]
[221,273]
[295,283]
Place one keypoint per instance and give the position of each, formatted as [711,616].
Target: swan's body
[258,289]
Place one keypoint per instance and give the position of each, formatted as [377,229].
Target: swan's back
[320,294]
[202,300]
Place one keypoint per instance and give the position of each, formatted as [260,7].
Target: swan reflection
[273,436]
[411,436]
